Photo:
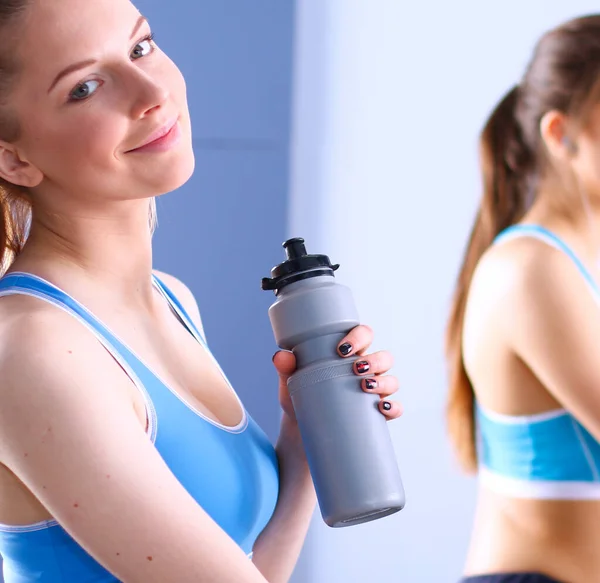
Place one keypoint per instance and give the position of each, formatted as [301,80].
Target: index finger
[357,341]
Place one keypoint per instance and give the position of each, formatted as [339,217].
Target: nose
[150,95]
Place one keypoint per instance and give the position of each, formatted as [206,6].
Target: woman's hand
[371,369]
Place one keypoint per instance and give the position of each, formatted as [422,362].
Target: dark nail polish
[386,405]
[362,367]
[370,384]
[346,348]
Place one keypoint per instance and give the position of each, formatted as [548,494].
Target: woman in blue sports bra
[523,337]
[125,454]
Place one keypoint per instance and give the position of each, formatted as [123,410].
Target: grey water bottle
[345,436]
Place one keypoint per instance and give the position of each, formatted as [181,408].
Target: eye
[144,47]
[84,90]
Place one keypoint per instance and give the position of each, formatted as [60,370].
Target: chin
[176,174]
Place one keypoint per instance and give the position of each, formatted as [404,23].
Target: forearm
[277,549]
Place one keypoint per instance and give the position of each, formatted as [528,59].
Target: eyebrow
[82,64]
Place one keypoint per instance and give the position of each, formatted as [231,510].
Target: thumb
[285,363]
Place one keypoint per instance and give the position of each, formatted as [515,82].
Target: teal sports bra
[232,472]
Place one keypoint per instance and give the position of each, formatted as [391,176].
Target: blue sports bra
[231,472]
[548,455]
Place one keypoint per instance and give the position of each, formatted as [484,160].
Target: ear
[553,129]
[15,169]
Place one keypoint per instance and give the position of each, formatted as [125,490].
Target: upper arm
[185,296]
[554,327]
[69,432]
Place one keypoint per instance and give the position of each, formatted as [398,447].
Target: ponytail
[15,219]
[507,165]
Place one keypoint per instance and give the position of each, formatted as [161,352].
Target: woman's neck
[113,252]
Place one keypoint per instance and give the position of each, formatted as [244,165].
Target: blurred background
[354,124]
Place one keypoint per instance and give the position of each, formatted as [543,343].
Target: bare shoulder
[31,328]
[525,292]
[516,273]
[47,358]
[184,295]
[521,287]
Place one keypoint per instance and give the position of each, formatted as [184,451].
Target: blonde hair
[15,221]
[153,215]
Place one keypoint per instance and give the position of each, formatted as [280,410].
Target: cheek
[589,165]
[584,162]
[588,155]
[83,140]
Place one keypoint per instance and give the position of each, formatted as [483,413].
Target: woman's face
[93,87]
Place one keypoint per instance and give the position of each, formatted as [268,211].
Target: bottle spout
[295,248]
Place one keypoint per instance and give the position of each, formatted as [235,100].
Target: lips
[157,134]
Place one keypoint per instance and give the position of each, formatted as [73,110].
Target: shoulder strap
[179,310]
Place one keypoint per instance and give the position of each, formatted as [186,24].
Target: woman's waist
[557,484]
[558,537]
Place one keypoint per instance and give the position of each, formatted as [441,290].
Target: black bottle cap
[298,265]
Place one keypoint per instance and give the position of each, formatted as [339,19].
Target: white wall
[389,99]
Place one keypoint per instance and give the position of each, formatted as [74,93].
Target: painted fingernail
[362,367]
[346,348]
[386,405]
[370,384]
